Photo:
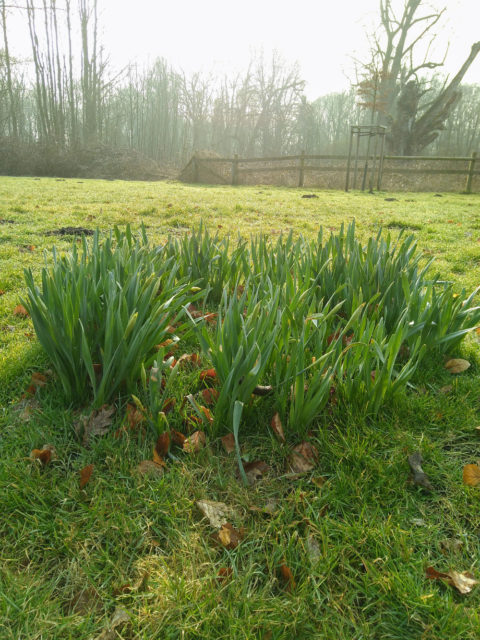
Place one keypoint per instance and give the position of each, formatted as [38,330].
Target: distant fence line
[298,170]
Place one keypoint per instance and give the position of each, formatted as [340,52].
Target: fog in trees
[63,96]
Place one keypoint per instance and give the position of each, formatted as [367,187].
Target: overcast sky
[220,35]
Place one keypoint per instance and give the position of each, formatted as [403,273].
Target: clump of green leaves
[100,311]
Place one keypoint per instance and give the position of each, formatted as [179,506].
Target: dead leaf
[209,396]
[169,405]
[149,468]
[20,311]
[228,442]
[84,602]
[208,374]
[450,545]
[224,574]
[86,474]
[195,442]
[446,389]
[457,365]
[262,390]
[287,578]
[303,458]
[255,471]
[119,618]
[462,581]
[177,438]
[313,548]
[229,537]
[2,292]
[217,513]
[192,358]
[471,475]
[276,425]
[134,417]
[44,455]
[207,413]
[419,477]
[95,424]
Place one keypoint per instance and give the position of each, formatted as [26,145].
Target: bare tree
[413,121]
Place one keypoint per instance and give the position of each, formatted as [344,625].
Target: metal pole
[349,159]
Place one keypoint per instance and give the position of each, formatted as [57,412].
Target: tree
[398,74]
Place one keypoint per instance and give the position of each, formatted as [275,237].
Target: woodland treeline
[62,96]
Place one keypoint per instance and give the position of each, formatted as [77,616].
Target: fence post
[471,168]
[380,164]
[235,169]
[301,170]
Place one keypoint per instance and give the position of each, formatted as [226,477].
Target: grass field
[357,536]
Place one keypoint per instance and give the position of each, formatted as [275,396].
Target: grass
[357,546]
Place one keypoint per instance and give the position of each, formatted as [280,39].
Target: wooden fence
[297,169]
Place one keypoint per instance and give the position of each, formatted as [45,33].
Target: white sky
[220,35]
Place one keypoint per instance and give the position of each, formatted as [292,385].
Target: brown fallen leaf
[419,477]
[86,474]
[229,537]
[303,458]
[224,574]
[217,513]
[207,413]
[134,416]
[228,442]
[457,365]
[44,455]
[169,405]
[120,617]
[2,292]
[462,581]
[261,390]
[149,468]
[95,424]
[20,311]
[287,578]
[177,438]
[255,471]
[84,602]
[195,442]
[208,374]
[192,358]
[277,428]
[161,448]
[446,389]
[471,475]
[209,396]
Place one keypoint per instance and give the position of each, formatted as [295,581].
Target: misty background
[80,79]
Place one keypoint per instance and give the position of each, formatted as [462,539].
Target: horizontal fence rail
[234,168]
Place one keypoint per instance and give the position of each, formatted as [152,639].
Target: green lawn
[357,545]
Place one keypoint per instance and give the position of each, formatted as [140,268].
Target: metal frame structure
[369,131]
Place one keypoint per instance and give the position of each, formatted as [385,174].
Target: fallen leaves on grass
[177,438]
[217,513]
[120,617]
[471,475]
[303,458]
[44,455]
[228,442]
[287,578]
[450,545]
[457,365]
[462,581]
[209,396]
[192,358]
[224,574]
[419,477]
[2,292]
[195,442]
[255,471]
[37,380]
[277,428]
[208,374]
[20,311]
[161,447]
[95,424]
[149,468]
[262,390]
[229,537]
[85,475]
